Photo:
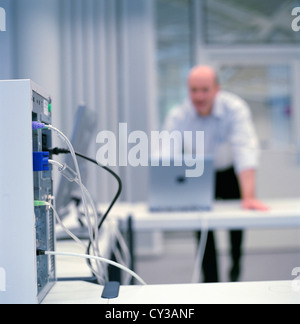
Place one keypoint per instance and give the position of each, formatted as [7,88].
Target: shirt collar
[218,108]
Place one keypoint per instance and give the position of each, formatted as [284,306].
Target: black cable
[57,151]
[116,177]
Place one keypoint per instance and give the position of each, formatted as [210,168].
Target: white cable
[101,277]
[72,176]
[121,252]
[56,163]
[73,236]
[70,146]
[91,232]
[85,194]
[85,256]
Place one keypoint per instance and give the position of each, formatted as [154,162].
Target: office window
[173,26]
[253,44]
[268,91]
[249,22]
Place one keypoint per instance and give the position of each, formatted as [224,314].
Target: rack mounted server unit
[25,278]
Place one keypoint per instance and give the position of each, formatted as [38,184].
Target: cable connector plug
[38,203]
[57,151]
[40,252]
[37,125]
[66,171]
[40,161]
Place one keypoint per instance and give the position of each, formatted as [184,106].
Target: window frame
[244,54]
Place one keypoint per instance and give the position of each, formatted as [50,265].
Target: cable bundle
[94,226]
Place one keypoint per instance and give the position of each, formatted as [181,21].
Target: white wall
[6,43]
[98,52]
[36,45]
[279,174]
[107,62]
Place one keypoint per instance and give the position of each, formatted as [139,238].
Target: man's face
[203,89]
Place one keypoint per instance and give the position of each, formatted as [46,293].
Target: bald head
[203,88]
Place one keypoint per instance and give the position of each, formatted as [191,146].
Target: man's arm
[247,186]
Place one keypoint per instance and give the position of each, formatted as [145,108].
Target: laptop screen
[170,189]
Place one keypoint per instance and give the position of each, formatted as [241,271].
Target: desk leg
[130,230]
[114,274]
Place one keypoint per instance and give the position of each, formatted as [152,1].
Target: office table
[283,213]
[225,215]
[271,292]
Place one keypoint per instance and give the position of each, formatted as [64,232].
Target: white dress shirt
[229,133]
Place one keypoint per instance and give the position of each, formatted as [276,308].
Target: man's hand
[254,204]
[247,186]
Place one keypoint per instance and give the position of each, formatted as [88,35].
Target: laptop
[171,190]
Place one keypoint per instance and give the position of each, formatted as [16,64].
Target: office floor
[176,262]
[267,256]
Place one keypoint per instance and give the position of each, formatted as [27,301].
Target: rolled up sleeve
[244,140]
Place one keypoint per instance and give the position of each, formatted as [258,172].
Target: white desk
[228,215]
[273,292]
[283,213]
[225,215]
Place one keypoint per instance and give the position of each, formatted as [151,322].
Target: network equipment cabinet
[25,224]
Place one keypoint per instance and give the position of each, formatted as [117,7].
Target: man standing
[231,139]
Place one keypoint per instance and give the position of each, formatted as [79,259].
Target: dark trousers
[227,187]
